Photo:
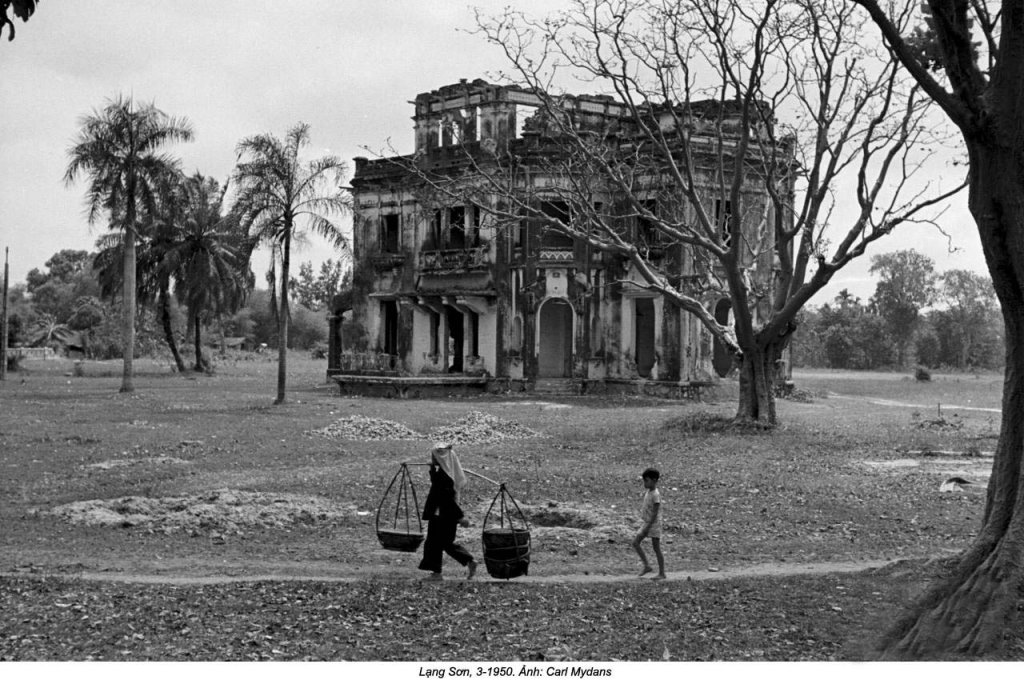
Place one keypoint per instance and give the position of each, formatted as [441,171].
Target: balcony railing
[387,260]
[370,362]
[556,255]
[452,260]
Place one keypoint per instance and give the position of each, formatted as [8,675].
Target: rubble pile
[481,428]
[366,429]
[222,511]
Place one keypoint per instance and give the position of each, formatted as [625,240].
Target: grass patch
[802,493]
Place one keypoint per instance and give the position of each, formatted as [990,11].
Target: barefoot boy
[651,515]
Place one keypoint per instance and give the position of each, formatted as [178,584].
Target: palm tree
[209,256]
[152,277]
[46,331]
[118,148]
[278,195]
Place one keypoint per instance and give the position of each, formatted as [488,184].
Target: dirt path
[769,569]
[903,404]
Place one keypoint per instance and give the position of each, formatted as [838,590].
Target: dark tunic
[442,512]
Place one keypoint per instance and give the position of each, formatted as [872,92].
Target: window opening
[550,236]
[435,333]
[390,238]
[455,340]
[457,227]
[389,310]
[647,232]
[522,113]
[474,329]
[469,124]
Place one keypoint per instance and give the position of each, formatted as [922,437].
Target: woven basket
[507,552]
[399,541]
[399,526]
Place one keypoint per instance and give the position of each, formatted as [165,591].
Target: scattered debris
[481,428]
[473,428]
[799,395]
[219,512]
[941,424]
[363,428]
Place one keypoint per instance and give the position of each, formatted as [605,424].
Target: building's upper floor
[478,111]
[468,117]
[400,222]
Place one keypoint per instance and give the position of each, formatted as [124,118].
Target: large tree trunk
[282,320]
[968,614]
[758,368]
[165,321]
[128,298]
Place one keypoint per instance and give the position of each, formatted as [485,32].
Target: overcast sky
[241,67]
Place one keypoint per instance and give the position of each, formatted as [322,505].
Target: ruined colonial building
[447,295]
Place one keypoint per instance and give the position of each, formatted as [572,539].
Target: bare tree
[764,145]
[973,68]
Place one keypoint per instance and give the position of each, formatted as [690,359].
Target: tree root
[967,615]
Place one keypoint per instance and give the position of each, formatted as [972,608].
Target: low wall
[409,388]
[696,390]
[43,353]
[420,387]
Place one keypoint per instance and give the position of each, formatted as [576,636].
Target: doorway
[555,346]
[644,335]
[455,340]
[389,310]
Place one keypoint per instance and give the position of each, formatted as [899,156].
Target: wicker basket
[507,552]
[399,541]
[398,525]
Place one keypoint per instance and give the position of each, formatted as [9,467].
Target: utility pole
[3,323]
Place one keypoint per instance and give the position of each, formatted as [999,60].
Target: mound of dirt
[220,511]
[473,428]
[362,428]
[481,428]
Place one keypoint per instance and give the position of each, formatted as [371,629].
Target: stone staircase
[555,387]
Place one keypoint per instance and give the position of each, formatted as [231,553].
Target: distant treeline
[63,306]
[916,316]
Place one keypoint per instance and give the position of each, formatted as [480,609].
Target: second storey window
[551,237]
[457,227]
[463,227]
[647,232]
[390,236]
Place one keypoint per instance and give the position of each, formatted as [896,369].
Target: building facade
[446,290]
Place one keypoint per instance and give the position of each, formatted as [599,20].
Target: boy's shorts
[655,531]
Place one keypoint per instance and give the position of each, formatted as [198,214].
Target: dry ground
[253,526]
